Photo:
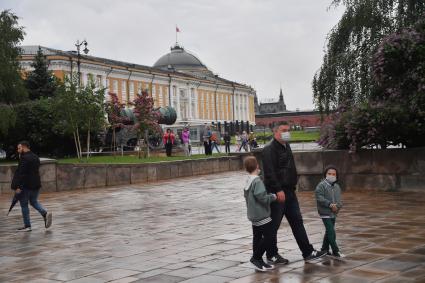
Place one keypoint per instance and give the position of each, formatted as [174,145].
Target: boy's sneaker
[47,219]
[267,266]
[338,255]
[315,255]
[326,251]
[258,265]
[277,259]
[24,229]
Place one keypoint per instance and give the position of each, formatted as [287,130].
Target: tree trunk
[79,145]
[88,141]
[147,143]
[76,144]
[113,141]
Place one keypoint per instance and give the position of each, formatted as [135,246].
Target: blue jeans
[31,197]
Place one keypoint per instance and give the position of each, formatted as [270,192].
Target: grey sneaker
[315,255]
[47,219]
[277,259]
[258,265]
[24,229]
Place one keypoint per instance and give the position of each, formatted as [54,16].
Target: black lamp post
[85,50]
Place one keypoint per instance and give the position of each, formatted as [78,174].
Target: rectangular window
[131,94]
[139,87]
[115,86]
[99,81]
[124,90]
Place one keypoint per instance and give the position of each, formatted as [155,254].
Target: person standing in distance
[280,178]
[26,182]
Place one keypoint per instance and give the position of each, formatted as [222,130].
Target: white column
[178,103]
[189,91]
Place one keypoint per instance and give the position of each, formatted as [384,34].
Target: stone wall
[381,170]
[65,177]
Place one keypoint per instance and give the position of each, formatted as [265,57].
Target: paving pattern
[195,230]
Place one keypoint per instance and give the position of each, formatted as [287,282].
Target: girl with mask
[328,198]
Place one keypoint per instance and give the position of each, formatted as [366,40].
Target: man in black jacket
[26,183]
[280,178]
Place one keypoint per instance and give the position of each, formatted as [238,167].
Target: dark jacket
[227,138]
[279,170]
[27,176]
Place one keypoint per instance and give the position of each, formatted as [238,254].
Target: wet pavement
[195,230]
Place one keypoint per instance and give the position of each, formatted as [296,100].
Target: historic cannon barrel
[127,136]
[167,115]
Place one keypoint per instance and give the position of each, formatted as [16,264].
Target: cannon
[126,136]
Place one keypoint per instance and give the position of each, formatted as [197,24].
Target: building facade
[271,107]
[178,79]
[268,114]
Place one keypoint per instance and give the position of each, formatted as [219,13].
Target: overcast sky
[262,43]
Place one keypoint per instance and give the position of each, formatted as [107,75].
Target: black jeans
[168,148]
[207,146]
[227,146]
[262,239]
[291,209]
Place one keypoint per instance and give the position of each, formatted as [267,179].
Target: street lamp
[85,50]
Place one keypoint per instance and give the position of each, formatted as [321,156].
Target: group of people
[169,140]
[245,141]
[268,199]
[274,197]
[210,141]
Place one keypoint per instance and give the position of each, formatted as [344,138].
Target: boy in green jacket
[258,211]
[328,198]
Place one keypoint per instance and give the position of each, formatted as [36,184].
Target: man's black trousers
[291,210]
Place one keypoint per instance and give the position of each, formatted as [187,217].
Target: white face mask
[331,179]
[285,136]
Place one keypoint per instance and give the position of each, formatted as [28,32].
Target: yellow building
[178,79]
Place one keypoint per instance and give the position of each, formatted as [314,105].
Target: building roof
[202,73]
[179,59]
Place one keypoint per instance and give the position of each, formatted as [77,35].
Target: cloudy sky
[262,43]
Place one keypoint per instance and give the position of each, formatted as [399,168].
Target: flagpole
[176,34]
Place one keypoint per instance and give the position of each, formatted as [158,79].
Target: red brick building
[295,118]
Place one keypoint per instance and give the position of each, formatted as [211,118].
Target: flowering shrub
[395,112]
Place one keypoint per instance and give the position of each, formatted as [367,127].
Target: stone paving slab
[195,230]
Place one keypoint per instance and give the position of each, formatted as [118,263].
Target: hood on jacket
[249,181]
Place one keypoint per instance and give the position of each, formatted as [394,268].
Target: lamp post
[85,50]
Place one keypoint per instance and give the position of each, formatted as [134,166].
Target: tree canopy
[40,82]
[345,75]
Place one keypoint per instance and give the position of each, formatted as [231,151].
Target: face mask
[285,136]
[331,179]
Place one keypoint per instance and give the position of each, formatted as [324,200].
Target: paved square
[195,230]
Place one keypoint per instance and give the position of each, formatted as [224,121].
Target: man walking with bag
[26,183]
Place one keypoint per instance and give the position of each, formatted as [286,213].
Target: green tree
[11,85]
[79,110]
[40,82]
[394,113]
[345,75]
[147,119]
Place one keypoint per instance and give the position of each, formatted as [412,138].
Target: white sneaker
[24,229]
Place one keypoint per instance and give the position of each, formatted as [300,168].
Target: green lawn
[296,136]
[132,159]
